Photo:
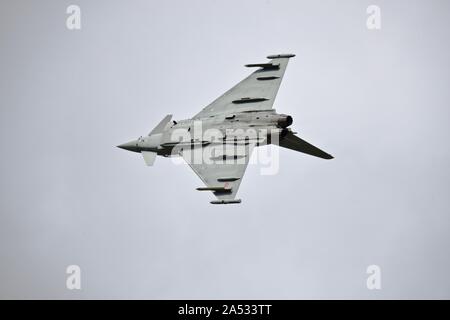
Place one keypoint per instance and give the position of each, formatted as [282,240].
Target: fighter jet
[218,141]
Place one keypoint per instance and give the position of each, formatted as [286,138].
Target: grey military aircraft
[218,141]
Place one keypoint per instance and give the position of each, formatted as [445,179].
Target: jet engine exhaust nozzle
[285,121]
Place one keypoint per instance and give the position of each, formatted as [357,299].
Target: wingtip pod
[281,55]
[226,201]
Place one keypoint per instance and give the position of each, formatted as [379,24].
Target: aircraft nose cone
[130,146]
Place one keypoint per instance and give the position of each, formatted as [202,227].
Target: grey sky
[377,100]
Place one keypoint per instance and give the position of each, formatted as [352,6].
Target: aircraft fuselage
[250,125]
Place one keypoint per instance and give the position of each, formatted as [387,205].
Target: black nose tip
[130,146]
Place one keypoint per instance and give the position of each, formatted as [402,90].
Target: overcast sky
[377,100]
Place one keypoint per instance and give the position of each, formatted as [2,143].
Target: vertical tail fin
[291,141]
